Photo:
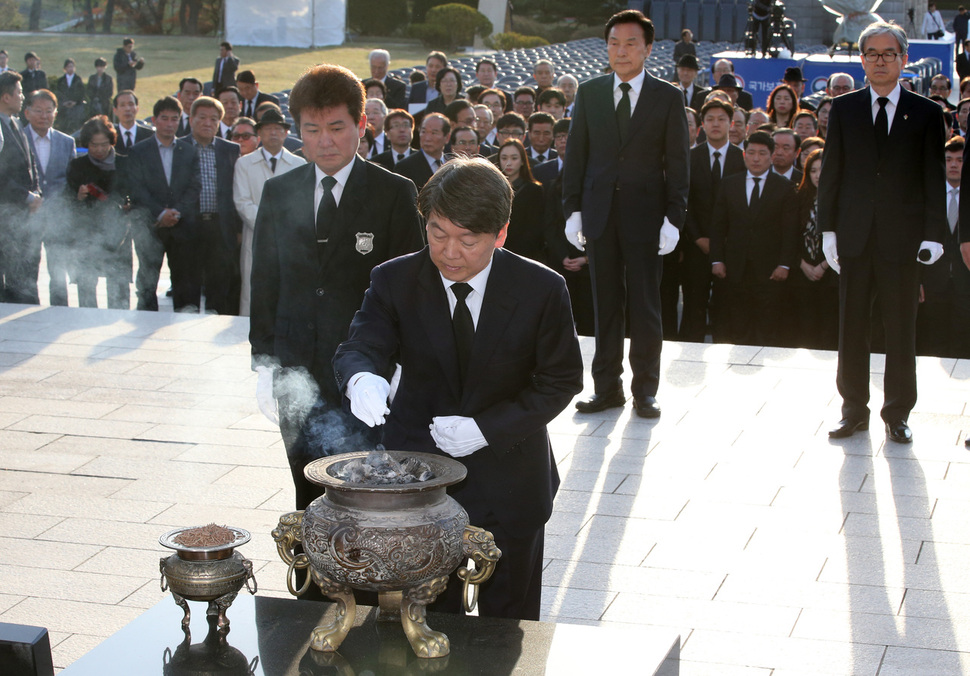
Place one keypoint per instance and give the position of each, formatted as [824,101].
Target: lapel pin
[905,117]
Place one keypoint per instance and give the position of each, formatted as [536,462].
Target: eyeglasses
[399,125]
[465,143]
[887,57]
[514,133]
[242,136]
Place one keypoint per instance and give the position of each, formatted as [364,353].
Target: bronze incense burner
[401,540]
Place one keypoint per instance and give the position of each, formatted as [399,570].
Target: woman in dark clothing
[526,230]
[816,286]
[101,89]
[100,238]
[448,84]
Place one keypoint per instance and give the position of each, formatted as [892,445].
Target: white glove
[831,250]
[574,230]
[368,398]
[457,435]
[935,249]
[264,394]
[669,236]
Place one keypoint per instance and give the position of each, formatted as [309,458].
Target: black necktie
[400,156]
[327,210]
[686,102]
[464,327]
[127,139]
[272,166]
[882,123]
[755,195]
[623,111]
[249,109]
[540,158]
[716,169]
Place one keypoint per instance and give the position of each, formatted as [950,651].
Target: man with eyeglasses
[434,134]
[399,128]
[882,212]
[464,142]
[243,132]
[940,86]
[510,126]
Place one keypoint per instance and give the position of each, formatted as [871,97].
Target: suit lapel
[901,116]
[640,112]
[433,311]
[604,94]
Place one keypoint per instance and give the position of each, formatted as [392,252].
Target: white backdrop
[286,23]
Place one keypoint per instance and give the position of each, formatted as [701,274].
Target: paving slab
[732,520]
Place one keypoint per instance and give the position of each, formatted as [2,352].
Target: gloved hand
[574,230]
[669,236]
[935,249]
[368,398]
[831,250]
[457,435]
[264,394]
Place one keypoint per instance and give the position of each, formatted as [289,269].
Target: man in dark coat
[101,89]
[127,64]
[488,357]
[320,229]
[224,71]
[164,182]
[882,211]
[625,187]
[19,196]
[71,99]
[33,77]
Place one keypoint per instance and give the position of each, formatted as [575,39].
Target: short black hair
[444,71]
[69,60]
[561,126]
[165,103]
[717,103]
[8,81]
[471,193]
[541,118]
[464,127]
[189,80]
[631,16]
[445,122]
[226,44]
[231,88]
[511,120]
[525,90]
[327,86]
[549,94]
[455,107]
[760,138]
[484,62]
[100,61]
[123,92]
[127,41]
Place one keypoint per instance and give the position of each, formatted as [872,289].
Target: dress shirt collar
[753,176]
[162,146]
[636,84]
[429,160]
[278,156]
[38,137]
[133,128]
[342,176]
[474,300]
[478,282]
[723,150]
[893,97]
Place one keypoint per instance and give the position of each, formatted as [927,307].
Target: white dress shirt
[723,150]
[474,299]
[42,147]
[338,190]
[893,97]
[636,84]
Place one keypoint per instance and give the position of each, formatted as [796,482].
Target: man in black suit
[881,201]
[396,95]
[693,93]
[127,64]
[252,97]
[943,319]
[224,72]
[424,91]
[753,244]
[625,188]
[320,229]
[100,90]
[710,162]
[220,228]
[33,77]
[131,130]
[190,88]
[783,157]
[540,139]
[488,358]
[164,183]
[398,128]
[434,134]
[19,196]
[71,99]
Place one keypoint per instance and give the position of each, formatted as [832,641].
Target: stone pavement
[732,519]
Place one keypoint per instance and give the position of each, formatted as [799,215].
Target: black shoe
[966,442]
[601,402]
[899,432]
[847,427]
[646,407]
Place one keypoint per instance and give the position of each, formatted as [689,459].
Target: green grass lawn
[168,59]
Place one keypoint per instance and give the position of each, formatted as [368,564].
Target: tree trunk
[109,14]
[195,8]
[35,15]
[88,16]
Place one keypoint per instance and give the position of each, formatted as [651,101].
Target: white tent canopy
[286,23]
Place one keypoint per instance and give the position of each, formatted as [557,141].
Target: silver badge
[365,242]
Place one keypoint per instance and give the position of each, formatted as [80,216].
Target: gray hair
[544,62]
[835,76]
[380,101]
[885,28]
[566,77]
[380,52]
[482,106]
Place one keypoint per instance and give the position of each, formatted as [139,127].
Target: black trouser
[151,245]
[625,274]
[218,266]
[19,257]
[697,293]
[894,286]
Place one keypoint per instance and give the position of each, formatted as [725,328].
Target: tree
[35,8]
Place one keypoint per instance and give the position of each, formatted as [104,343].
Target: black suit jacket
[227,153]
[963,65]
[700,203]
[647,175]
[763,238]
[526,367]
[415,166]
[547,172]
[228,73]
[697,99]
[744,100]
[260,98]
[126,69]
[397,93]
[151,193]
[99,97]
[898,199]
[419,92]
[302,304]
[142,132]
[18,172]
[33,80]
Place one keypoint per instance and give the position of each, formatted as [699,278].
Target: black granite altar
[271,637]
